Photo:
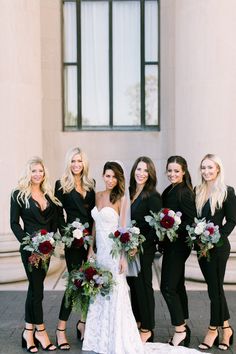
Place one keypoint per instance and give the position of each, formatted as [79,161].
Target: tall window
[111,65]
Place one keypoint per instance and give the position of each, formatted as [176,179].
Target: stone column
[20,111]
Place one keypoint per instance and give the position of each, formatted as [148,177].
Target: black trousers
[142,294]
[173,281]
[74,258]
[214,272]
[34,299]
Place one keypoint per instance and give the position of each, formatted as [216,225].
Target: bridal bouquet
[165,223]
[85,284]
[205,234]
[41,245]
[76,234]
[126,239]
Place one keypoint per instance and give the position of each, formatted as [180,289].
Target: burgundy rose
[167,222]
[78,283]
[45,247]
[165,211]
[117,233]
[125,237]
[43,232]
[77,243]
[89,273]
[85,232]
[211,230]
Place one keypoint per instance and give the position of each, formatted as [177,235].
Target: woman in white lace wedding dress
[110,325]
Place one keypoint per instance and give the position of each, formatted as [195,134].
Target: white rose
[177,220]
[134,230]
[199,228]
[52,241]
[77,233]
[171,213]
[76,224]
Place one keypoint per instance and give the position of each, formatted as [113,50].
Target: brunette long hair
[151,183]
[119,190]
[183,163]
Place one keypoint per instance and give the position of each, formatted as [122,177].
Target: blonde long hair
[219,189]
[68,181]
[24,183]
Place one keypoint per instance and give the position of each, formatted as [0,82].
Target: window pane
[94,63]
[151,27]
[70,47]
[70,96]
[126,63]
[151,94]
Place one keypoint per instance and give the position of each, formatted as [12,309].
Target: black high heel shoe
[205,346]
[62,346]
[49,347]
[79,335]
[224,346]
[151,338]
[24,342]
[184,342]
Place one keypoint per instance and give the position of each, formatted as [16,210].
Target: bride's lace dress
[110,324]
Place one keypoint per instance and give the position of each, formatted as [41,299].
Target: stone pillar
[20,111]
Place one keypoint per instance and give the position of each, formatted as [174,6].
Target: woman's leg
[74,258]
[213,272]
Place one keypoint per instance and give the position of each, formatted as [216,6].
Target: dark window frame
[143,63]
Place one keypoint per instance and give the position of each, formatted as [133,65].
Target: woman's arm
[229,207]
[15,211]
[187,208]
[91,247]
[154,203]
[60,212]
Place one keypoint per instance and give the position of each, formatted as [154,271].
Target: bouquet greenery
[204,234]
[41,245]
[76,234]
[126,240]
[165,223]
[84,284]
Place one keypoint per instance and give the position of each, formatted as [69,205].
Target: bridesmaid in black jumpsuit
[34,203]
[216,202]
[75,190]
[144,198]
[178,196]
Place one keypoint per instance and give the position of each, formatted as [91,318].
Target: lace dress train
[110,324]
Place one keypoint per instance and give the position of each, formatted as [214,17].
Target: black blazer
[33,218]
[180,198]
[139,209]
[75,206]
[224,217]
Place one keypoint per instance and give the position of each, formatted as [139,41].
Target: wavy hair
[24,183]
[151,183]
[183,163]
[219,189]
[119,190]
[68,180]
